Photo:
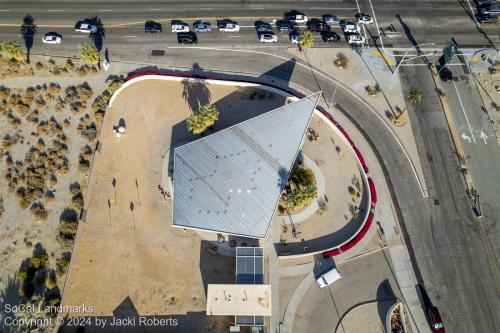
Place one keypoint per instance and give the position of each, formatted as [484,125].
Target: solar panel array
[249,270]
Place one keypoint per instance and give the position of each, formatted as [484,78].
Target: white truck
[328,277]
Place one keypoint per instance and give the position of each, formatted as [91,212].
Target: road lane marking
[156,9]
[105,10]
[332,8]
[484,137]
[5,10]
[78,36]
[206,8]
[257,8]
[129,36]
[465,114]
[466,137]
[55,10]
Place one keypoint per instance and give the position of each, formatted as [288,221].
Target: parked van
[328,278]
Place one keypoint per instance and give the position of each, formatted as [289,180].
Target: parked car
[296,17]
[486,19]
[85,27]
[178,26]
[202,27]
[364,19]
[350,27]
[328,277]
[152,27]
[229,26]
[330,19]
[435,320]
[52,38]
[187,38]
[263,26]
[356,39]
[268,37]
[284,26]
[490,10]
[294,36]
[317,25]
[330,36]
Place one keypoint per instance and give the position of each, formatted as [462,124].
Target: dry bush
[89,132]
[83,165]
[32,117]
[77,201]
[40,102]
[66,123]
[52,180]
[49,196]
[75,188]
[70,66]
[342,61]
[22,198]
[84,70]
[42,127]
[38,211]
[4,92]
[29,95]
[39,66]
[54,88]
[86,153]
[77,107]
[84,91]
[62,166]
[68,225]
[2,208]
[7,141]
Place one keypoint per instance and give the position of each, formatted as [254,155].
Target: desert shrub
[373,91]
[29,95]
[84,92]
[300,189]
[7,141]
[115,85]
[70,66]
[22,108]
[68,226]
[62,263]
[75,188]
[76,107]
[342,61]
[77,201]
[86,153]
[49,196]
[40,102]
[54,88]
[53,180]
[83,165]
[4,92]
[39,66]
[2,208]
[38,211]
[89,132]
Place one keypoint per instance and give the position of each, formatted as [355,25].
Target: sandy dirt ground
[127,250]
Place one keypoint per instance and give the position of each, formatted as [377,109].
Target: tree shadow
[195,93]
[215,268]
[28,32]
[385,299]
[9,295]
[97,37]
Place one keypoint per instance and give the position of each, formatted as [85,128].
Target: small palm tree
[415,96]
[11,50]
[203,119]
[89,54]
[306,40]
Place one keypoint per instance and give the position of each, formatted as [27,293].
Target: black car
[445,74]
[263,26]
[486,19]
[317,25]
[187,38]
[330,36]
[284,26]
[152,27]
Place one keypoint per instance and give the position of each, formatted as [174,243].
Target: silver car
[202,27]
[52,38]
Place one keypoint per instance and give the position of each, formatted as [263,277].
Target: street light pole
[407,50]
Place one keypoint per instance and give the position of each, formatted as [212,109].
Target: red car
[435,320]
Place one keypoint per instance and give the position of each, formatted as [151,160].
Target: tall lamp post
[415,57]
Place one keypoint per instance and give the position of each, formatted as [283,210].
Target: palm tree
[415,96]
[28,31]
[203,119]
[89,54]
[306,40]
[11,50]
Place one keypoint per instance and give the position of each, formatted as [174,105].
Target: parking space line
[465,114]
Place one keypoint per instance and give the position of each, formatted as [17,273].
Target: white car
[364,19]
[85,28]
[351,28]
[298,18]
[229,27]
[268,37]
[356,39]
[52,38]
[180,27]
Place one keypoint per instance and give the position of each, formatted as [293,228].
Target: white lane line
[376,24]
[55,10]
[345,87]
[465,114]
[79,36]
[332,8]
[129,36]
[235,36]
[257,8]
[156,9]
[5,10]
[206,8]
[105,10]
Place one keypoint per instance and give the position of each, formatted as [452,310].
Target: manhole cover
[158,53]
[436,202]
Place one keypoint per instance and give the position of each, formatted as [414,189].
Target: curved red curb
[371,186]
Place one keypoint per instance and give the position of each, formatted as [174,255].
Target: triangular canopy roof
[231,181]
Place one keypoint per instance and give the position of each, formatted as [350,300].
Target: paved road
[321,309]
[445,237]
[422,21]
